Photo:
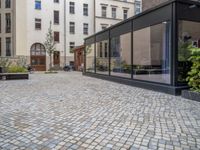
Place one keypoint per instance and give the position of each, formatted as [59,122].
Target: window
[0,23]
[38,24]
[90,58]
[85,9]
[56,17]
[137,7]
[104,26]
[56,1]
[71,7]
[72,27]
[189,35]
[125,13]
[71,46]
[102,60]
[103,11]
[106,49]
[56,36]
[8,46]
[38,49]
[100,50]
[114,15]
[7,4]
[38,56]
[0,48]
[121,55]
[151,53]
[8,22]
[85,28]
[38,4]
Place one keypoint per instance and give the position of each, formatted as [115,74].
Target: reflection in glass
[90,58]
[151,53]
[102,59]
[121,55]
[189,36]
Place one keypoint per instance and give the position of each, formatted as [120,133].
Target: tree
[50,45]
[194,75]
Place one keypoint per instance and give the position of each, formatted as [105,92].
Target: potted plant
[193,78]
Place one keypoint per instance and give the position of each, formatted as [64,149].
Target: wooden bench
[14,76]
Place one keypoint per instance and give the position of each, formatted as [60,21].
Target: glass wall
[121,55]
[189,37]
[90,52]
[102,57]
[151,53]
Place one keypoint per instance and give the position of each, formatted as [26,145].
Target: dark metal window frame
[169,11]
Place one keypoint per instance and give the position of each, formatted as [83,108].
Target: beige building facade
[24,25]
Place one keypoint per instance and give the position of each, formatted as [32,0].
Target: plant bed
[14,76]
[191,95]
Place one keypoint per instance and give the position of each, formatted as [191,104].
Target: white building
[24,25]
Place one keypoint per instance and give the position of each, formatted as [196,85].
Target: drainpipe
[94,16]
[65,44]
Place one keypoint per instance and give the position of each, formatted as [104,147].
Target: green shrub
[16,69]
[194,75]
[21,61]
[5,63]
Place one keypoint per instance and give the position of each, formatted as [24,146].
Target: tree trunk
[50,65]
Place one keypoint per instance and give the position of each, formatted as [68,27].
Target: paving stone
[71,111]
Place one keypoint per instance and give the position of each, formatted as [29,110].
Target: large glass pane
[90,58]
[102,58]
[189,36]
[151,61]
[121,55]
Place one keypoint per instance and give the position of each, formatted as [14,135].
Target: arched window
[38,57]
[38,49]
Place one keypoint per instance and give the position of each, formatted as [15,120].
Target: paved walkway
[69,111]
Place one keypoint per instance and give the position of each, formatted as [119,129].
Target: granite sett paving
[69,111]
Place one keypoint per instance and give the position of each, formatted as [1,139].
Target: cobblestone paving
[69,111]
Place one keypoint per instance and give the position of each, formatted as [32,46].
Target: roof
[146,12]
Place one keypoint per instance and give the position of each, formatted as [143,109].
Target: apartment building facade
[110,12]
[24,25]
[6,28]
[147,4]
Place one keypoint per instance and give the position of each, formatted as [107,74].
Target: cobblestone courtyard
[69,111]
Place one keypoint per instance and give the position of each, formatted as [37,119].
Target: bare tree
[50,45]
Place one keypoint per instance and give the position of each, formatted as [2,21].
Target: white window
[8,46]
[72,27]
[137,7]
[125,14]
[114,12]
[85,28]
[56,1]
[71,46]
[38,25]
[104,11]
[7,3]
[85,9]
[71,7]
[104,26]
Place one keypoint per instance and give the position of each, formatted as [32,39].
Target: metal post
[65,44]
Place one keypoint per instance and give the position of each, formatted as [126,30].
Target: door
[38,57]
[56,58]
